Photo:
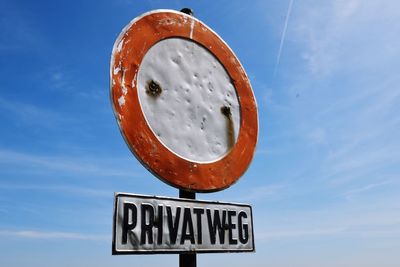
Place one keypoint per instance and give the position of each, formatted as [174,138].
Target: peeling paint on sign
[174,116]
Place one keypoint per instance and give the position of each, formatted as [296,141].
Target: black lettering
[159,224]
[231,227]
[243,237]
[129,220]
[147,228]
[173,224]
[199,212]
[216,225]
[187,222]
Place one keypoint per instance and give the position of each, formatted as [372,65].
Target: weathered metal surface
[194,172]
[186,118]
[148,225]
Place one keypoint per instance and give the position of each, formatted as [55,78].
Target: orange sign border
[129,49]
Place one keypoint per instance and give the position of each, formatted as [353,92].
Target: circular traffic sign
[183,101]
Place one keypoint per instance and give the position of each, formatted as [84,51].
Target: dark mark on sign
[226,111]
[153,88]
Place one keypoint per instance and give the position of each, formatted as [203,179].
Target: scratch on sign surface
[191,29]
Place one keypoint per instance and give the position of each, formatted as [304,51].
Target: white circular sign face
[188,100]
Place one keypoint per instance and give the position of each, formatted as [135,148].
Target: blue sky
[324,183]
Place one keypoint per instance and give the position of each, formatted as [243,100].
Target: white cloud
[59,188]
[346,220]
[17,31]
[346,35]
[349,85]
[85,165]
[360,231]
[295,234]
[30,114]
[29,234]
[263,192]
[318,135]
[349,194]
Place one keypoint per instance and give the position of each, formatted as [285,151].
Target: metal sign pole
[187,259]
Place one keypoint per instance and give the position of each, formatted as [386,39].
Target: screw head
[188,11]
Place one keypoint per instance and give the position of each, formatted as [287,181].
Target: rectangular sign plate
[148,225]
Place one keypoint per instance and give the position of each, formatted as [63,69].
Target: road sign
[148,225]
[183,101]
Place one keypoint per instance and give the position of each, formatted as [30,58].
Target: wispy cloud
[296,234]
[30,114]
[317,135]
[378,220]
[347,116]
[337,35]
[264,192]
[266,151]
[18,30]
[59,78]
[82,191]
[92,166]
[258,193]
[29,234]
[349,194]
[361,231]
[283,36]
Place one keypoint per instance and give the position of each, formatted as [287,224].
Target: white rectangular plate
[148,224]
